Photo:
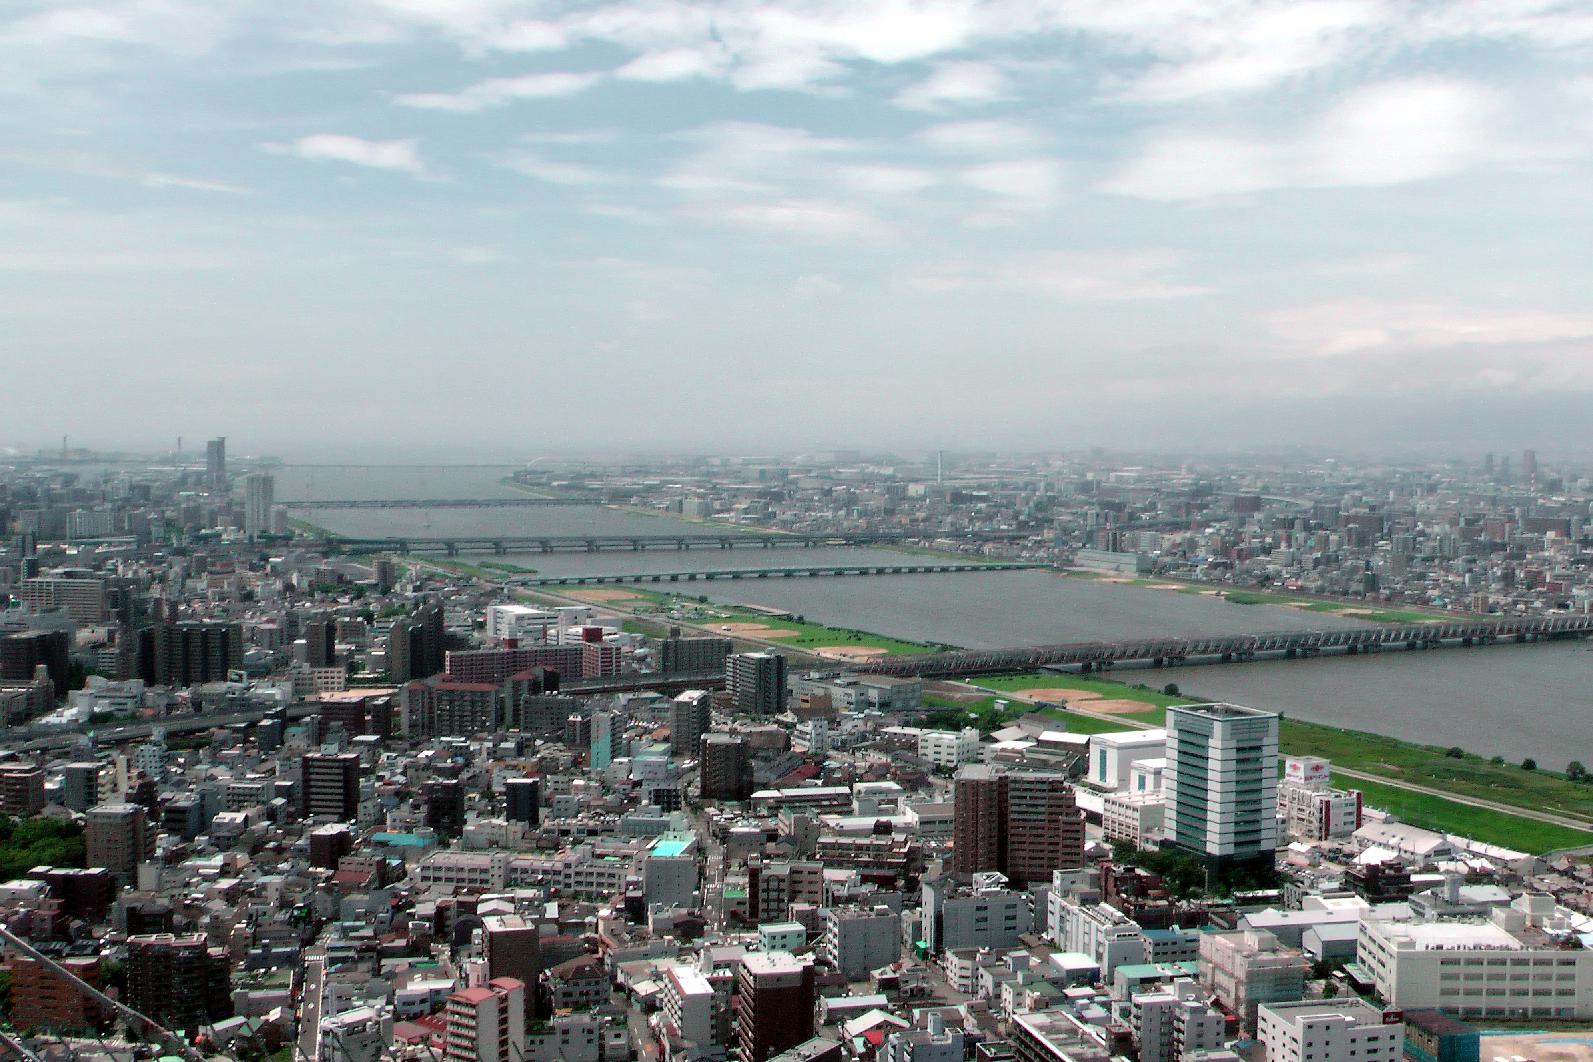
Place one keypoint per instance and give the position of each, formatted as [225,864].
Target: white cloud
[956,83]
[397,155]
[193,184]
[673,64]
[1022,184]
[1390,133]
[996,137]
[553,172]
[1105,275]
[501,91]
[804,220]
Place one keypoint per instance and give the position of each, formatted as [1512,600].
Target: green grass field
[1428,765]
[1482,824]
[1156,702]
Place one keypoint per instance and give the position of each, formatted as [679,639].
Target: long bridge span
[501,544]
[1174,652]
[800,572]
[516,502]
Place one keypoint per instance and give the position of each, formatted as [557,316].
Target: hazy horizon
[494,227]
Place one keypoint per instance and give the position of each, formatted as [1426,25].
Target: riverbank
[1445,789]
[1351,608]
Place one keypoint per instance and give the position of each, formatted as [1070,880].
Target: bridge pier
[453,549]
[498,548]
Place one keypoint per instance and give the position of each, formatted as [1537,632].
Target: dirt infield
[1085,700]
[597,595]
[1112,706]
[1541,1047]
[1053,695]
[758,630]
[849,652]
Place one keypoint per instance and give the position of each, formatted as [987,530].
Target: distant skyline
[372,227]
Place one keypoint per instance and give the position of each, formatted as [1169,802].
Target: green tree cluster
[28,843]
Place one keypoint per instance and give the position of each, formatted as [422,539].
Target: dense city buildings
[361,802]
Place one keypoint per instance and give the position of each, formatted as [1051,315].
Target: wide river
[1512,701]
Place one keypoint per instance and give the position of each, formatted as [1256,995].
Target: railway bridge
[1173,652]
[805,571]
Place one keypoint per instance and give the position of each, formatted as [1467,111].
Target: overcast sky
[523,227]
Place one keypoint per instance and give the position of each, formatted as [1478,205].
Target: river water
[1512,701]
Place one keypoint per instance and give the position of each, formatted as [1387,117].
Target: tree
[1575,771]
[1497,761]
[1529,764]
[1455,752]
[1171,689]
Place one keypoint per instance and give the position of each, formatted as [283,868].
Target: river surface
[377,482]
[1513,701]
[508,521]
[994,610]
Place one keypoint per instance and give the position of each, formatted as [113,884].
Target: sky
[500,228]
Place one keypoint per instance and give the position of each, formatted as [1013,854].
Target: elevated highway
[1174,652]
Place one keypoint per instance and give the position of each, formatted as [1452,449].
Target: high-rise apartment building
[330,785]
[608,735]
[724,767]
[179,981]
[320,640]
[21,789]
[1221,783]
[22,653]
[42,999]
[487,1024]
[690,717]
[216,465]
[81,595]
[118,837]
[1024,824]
[756,682]
[523,800]
[678,655]
[774,1004]
[259,495]
[189,653]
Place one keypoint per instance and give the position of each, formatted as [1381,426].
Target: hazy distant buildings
[259,494]
[216,465]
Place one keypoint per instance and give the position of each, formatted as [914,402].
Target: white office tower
[1222,782]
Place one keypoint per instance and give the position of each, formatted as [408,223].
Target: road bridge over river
[524,501]
[454,545]
[1173,652]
